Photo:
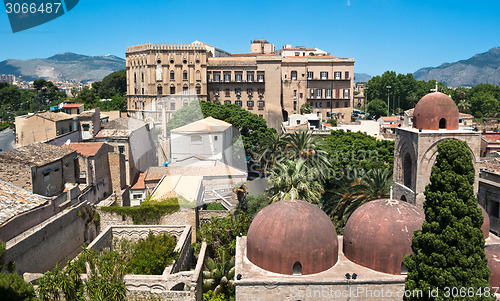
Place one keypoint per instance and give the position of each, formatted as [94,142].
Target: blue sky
[379,34]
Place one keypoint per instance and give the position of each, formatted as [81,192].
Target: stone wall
[54,241]
[184,216]
[26,220]
[206,215]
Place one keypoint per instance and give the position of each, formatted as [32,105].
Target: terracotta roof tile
[86,149]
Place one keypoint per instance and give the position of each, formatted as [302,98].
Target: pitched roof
[15,200]
[53,116]
[140,182]
[207,125]
[85,149]
[36,154]
[72,105]
[491,138]
[121,127]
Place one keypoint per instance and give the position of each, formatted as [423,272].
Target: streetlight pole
[388,93]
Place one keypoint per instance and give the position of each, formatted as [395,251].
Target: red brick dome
[292,237]
[378,234]
[434,111]
[493,255]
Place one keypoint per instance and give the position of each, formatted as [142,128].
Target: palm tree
[270,151]
[219,274]
[303,145]
[350,195]
[463,105]
[294,180]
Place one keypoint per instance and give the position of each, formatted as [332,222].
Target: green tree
[294,180]
[377,108]
[12,286]
[306,108]
[449,250]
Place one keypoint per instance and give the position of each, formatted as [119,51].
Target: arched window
[297,269]
[442,123]
[407,167]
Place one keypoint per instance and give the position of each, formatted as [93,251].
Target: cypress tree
[449,260]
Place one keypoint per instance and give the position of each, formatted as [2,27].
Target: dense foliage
[220,235]
[106,269]
[12,286]
[405,90]
[148,213]
[151,255]
[251,127]
[108,94]
[449,250]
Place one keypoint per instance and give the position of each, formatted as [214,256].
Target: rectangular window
[238,103]
[337,75]
[310,74]
[250,76]
[227,76]
[318,93]
[347,75]
[346,93]
[250,103]
[216,77]
[227,92]
[328,93]
[324,75]
[294,94]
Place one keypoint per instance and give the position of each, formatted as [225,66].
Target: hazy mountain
[481,68]
[361,77]
[64,66]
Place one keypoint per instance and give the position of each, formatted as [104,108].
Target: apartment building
[270,83]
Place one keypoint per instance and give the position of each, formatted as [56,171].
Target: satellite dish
[68,142]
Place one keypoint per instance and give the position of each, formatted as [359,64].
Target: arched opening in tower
[407,166]
[297,269]
[442,123]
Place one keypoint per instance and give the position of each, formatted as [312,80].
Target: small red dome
[436,111]
[378,234]
[287,234]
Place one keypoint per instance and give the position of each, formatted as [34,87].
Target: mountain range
[481,68]
[66,66]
